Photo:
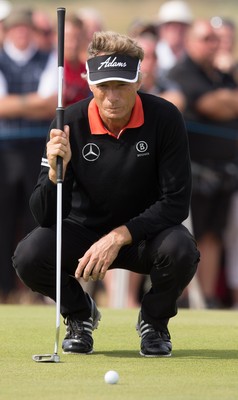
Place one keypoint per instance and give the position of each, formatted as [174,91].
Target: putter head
[52,358]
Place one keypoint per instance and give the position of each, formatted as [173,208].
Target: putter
[55,358]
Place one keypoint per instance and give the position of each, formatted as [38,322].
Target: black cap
[113,67]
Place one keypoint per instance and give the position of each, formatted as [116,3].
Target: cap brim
[114,67]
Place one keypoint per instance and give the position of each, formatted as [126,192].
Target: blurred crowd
[189,61]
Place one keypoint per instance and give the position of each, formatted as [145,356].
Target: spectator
[28,98]
[226,61]
[211,115]
[76,87]
[152,82]
[138,27]
[5,9]
[92,22]
[231,249]
[44,30]
[174,17]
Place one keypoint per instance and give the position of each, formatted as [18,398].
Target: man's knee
[176,243]
[176,255]
[23,260]
[30,255]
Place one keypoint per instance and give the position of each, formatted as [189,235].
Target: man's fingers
[90,269]
[80,268]
[56,133]
[84,269]
[101,276]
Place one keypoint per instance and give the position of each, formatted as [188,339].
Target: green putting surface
[203,366]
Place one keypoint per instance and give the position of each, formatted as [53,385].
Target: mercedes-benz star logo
[91,152]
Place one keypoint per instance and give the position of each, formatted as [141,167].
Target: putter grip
[61,23]
[60,125]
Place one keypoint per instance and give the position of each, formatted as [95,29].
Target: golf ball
[111,377]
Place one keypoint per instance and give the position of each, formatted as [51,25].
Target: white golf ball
[111,377]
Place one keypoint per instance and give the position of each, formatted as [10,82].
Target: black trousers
[170,259]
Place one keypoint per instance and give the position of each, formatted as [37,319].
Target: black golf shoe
[154,343]
[78,338]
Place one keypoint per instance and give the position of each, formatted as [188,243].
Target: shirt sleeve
[191,80]
[3,85]
[44,197]
[48,82]
[174,178]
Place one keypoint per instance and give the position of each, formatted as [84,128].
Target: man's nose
[112,94]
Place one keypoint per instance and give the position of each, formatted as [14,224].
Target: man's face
[203,43]
[73,40]
[173,33]
[115,100]
[20,36]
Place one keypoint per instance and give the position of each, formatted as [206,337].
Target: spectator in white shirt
[28,98]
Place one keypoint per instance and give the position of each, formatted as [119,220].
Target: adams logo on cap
[114,67]
[114,63]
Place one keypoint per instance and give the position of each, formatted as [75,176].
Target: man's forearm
[28,106]
[220,105]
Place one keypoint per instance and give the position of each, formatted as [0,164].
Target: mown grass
[204,363]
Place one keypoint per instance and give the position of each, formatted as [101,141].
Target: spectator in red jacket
[76,87]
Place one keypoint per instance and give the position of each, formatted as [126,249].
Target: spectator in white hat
[28,99]
[5,9]
[174,17]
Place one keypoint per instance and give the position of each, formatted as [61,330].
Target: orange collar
[96,124]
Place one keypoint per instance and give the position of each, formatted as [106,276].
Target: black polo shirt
[141,178]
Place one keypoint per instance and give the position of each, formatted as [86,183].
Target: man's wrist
[52,176]
[122,235]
